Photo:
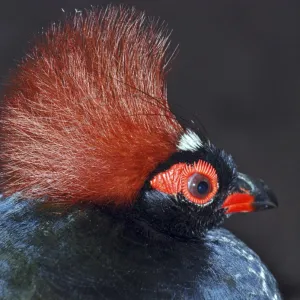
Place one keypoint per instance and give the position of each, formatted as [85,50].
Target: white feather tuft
[189,141]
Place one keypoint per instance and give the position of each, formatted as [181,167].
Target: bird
[105,193]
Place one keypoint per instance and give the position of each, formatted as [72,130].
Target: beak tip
[269,203]
[270,200]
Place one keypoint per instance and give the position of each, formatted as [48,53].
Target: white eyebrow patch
[189,141]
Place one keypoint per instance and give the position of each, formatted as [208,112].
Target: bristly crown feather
[85,116]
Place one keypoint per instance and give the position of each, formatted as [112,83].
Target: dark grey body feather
[88,254]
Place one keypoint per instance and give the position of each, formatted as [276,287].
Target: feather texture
[85,116]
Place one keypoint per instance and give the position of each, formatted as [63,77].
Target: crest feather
[85,116]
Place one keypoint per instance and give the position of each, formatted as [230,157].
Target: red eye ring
[176,179]
[208,172]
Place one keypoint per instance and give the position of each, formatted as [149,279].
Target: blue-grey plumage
[90,254]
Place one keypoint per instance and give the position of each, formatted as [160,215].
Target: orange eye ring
[176,180]
[207,173]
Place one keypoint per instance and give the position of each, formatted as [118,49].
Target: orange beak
[249,195]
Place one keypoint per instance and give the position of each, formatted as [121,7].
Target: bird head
[85,118]
[197,188]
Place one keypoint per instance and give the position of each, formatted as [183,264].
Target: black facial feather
[174,214]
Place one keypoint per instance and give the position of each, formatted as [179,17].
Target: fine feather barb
[85,115]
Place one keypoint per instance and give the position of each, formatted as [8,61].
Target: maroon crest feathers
[85,116]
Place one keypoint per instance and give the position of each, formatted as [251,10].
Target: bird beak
[249,195]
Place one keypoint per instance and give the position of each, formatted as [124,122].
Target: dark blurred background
[239,69]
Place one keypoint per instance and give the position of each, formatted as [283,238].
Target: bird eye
[199,185]
[199,182]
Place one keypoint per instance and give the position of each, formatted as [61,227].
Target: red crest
[86,116]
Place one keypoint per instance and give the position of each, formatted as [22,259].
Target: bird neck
[140,222]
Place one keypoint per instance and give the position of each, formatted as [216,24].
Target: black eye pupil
[202,187]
